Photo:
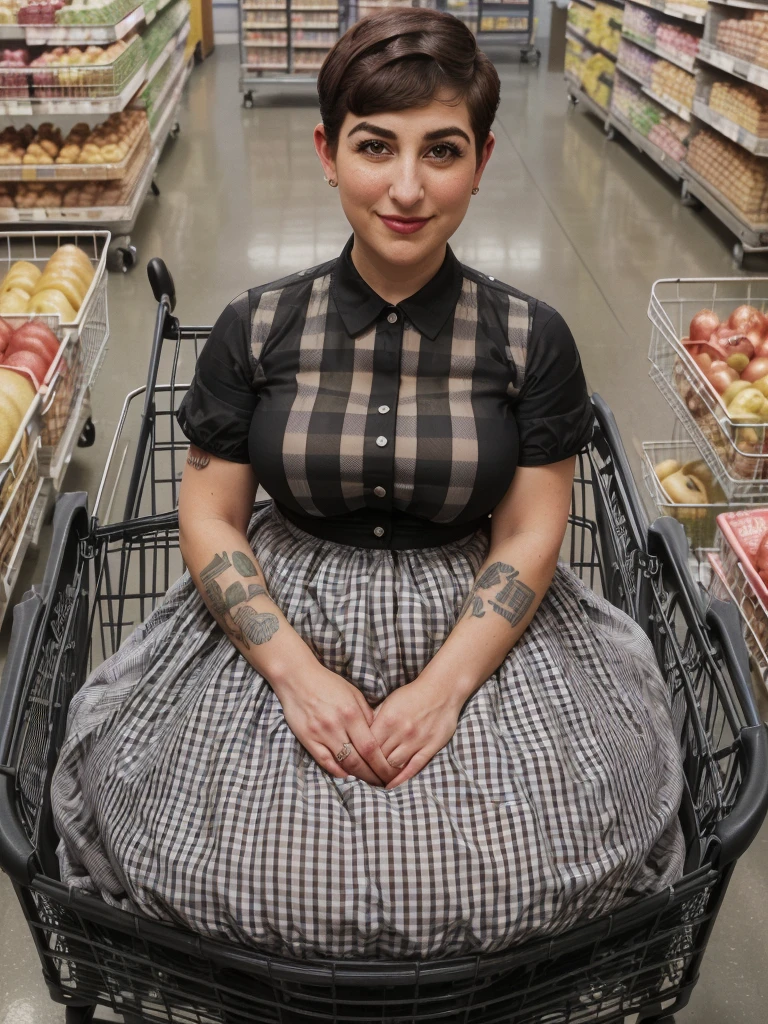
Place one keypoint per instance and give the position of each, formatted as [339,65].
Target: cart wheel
[126,257]
[155,188]
[248,100]
[88,434]
[573,100]
[79,1014]
[175,131]
[738,253]
[610,134]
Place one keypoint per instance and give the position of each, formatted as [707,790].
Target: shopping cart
[104,577]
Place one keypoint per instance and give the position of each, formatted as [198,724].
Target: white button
[392,318]
[381,441]
[383,408]
[491,278]
[379,492]
[379,531]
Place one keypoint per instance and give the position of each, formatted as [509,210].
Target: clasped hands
[407,729]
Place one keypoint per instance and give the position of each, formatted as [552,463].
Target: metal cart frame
[102,579]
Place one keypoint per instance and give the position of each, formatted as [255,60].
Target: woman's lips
[404,225]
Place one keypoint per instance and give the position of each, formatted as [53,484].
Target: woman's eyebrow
[366,126]
[443,133]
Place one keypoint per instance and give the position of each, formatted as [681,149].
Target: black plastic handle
[625,478]
[161,283]
[738,830]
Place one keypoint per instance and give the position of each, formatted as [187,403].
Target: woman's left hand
[411,725]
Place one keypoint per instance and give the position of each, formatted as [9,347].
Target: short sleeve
[216,412]
[553,409]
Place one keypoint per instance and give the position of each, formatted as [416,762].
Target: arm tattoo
[238,619]
[198,461]
[512,601]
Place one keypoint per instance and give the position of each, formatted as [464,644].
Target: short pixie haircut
[401,58]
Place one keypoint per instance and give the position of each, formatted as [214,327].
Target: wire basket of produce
[709,358]
[163,29]
[63,274]
[681,484]
[92,12]
[64,73]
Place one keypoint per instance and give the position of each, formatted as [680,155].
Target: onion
[747,318]
[703,324]
[756,369]
[704,361]
[720,376]
[762,348]
[734,343]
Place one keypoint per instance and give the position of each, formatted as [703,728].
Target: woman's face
[405,177]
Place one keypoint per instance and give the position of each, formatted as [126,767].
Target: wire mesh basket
[737,454]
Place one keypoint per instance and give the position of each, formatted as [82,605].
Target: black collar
[359,305]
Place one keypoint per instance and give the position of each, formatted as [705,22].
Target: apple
[30,344]
[28,361]
[747,318]
[755,369]
[37,329]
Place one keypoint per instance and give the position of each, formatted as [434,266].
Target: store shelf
[28,535]
[681,60]
[74,35]
[298,44]
[176,40]
[267,28]
[753,236]
[168,101]
[631,75]
[72,172]
[678,11]
[752,73]
[659,157]
[730,129]
[81,106]
[668,103]
[116,217]
[578,93]
[575,34]
[586,3]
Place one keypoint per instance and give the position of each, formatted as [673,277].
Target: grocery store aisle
[586,224]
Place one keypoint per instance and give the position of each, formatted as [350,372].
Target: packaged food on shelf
[66,72]
[672,82]
[658,125]
[636,61]
[580,17]
[745,105]
[95,12]
[741,177]
[681,485]
[605,27]
[108,142]
[163,28]
[677,40]
[9,10]
[641,23]
[597,79]
[744,35]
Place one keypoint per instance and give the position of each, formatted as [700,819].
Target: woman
[376,718]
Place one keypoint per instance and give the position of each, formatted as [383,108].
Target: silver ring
[345,751]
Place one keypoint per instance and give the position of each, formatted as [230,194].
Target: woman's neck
[392,282]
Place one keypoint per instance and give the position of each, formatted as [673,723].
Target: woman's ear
[323,150]
[485,156]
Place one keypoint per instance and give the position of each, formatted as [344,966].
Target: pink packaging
[741,534]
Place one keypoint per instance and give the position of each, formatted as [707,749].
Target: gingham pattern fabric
[181,792]
[344,403]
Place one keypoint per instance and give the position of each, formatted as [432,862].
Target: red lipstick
[404,225]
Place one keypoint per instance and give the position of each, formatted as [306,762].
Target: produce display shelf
[297,44]
[178,37]
[744,4]
[116,217]
[680,11]
[575,34]
[55,468]
[659,157]
[752,73]
[259,44]
[256,69]
[731,130]
[754,237]
[81,105]
[578,93]
[73,35]
[672,105]
[630,74]
[586,3]
[71,172]
[681,60]
[259,27]
[749,604]
[168,102]
[12,31]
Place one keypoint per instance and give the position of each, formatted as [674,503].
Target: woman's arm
[323,710]
[527,530]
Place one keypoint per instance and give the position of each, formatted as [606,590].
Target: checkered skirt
[182,794]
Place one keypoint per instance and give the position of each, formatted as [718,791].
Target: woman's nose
[407,188]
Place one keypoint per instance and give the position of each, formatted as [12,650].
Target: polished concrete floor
[586,224]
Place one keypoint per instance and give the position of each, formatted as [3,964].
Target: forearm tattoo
[512,601]
[238,619]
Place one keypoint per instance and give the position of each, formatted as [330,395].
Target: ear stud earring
[475,191]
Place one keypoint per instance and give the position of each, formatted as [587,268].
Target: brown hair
[400,58]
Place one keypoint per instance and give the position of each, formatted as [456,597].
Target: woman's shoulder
[539,313]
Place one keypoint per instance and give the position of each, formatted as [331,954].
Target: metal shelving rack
[577,95]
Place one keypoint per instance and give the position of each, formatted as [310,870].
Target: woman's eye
[374,147]
[443,152]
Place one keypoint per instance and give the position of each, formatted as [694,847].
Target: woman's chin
[403,250]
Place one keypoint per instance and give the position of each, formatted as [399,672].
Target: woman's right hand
[324,711]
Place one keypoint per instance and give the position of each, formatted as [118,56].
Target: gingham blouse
[388,426]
